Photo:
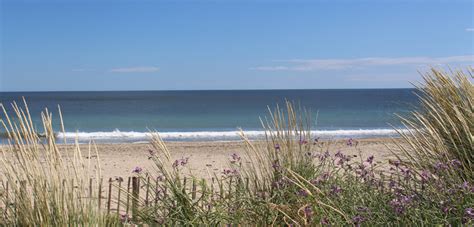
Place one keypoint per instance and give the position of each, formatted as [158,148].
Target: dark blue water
[182,115]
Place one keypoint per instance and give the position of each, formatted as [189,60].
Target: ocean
[129,116]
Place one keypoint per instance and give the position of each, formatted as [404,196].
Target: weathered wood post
[118,196]
[128,197]
[135,196]
[147,190]
[110,196]
[100,192]
[193,190]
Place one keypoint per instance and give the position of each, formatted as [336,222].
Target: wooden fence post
[184,185]
[157,191]
[110,196]
[230,186]
[100,192]
[193,195]
[90,191]
[203,192]
[247,184]
[63,191]
[118,196]
[212,190]
[221,187]
[128,197]
[135,194]
[147,190]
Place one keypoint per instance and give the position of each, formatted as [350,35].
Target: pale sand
[207,158]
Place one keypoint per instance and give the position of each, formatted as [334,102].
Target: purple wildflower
[316,140]
[335,190]
[357,220]
[124,218]
[362,209]
[175,163]
[455,163]
[235,158]
[229,172]
[406,172]
[391,184]
[151,152]
[324,156]
[324,221]
[395,163]
[400,204]
[425,176]
[465,185]
[180,162]
[370,159]
[303,193]
[397,206]
[308,212]
[303,141]
[277,147]
[446,209]
[321,178]
[342,158]
[278,184]
[276,165]
[440,167]
[350,142]
[137,170]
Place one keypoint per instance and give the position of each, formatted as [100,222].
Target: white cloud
[358,63]
[469,29]
[142,69]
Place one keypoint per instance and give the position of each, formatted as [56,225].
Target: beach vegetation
[289,178]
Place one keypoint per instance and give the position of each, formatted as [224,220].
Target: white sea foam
[118,135]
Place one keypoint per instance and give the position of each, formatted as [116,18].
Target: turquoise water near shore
[128,116]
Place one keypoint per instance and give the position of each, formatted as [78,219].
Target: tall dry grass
[47,184]
[441,131]
[296,180]
[292,178]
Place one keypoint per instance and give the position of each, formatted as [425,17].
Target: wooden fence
[127,196]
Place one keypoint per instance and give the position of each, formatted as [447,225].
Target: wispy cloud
[358,63]
[469,29]
[141,69]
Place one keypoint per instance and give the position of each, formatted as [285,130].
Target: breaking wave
[132,136]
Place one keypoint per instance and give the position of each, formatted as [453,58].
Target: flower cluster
[180,162]
[230,172]
[235,158]
[137,170]
[124,218]
[401,202]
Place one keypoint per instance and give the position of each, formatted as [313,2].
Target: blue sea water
[128,116]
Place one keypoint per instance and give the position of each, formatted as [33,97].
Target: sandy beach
[209,158]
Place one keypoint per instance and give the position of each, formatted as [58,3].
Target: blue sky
[229,44]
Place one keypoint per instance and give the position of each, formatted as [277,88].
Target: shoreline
[207,159]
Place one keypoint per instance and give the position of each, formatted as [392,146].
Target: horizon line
[271,89]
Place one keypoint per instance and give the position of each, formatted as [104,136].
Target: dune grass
[47,184]
[295,180]
[290,179]
[441,130]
